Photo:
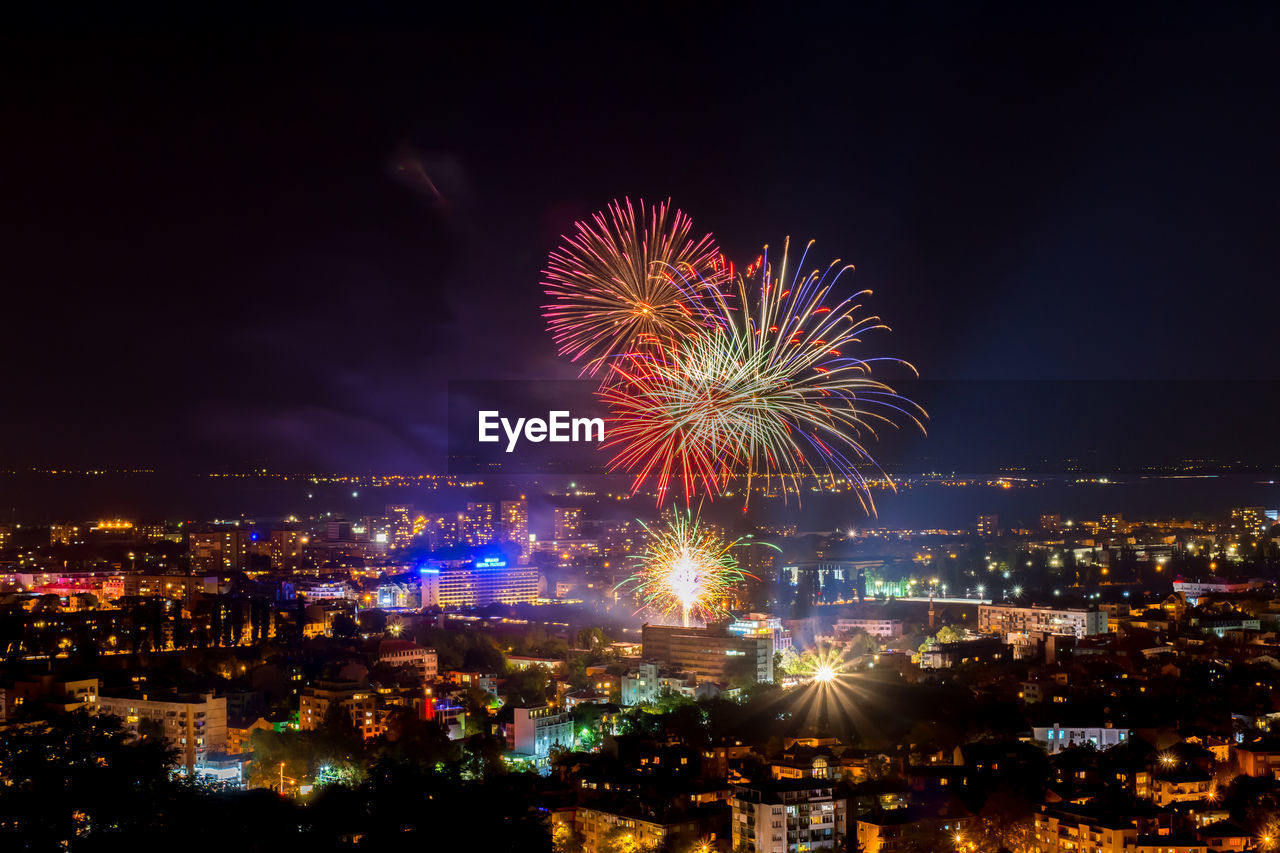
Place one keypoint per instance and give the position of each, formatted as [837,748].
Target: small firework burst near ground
[686,569]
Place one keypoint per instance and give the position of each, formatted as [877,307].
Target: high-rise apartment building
[65,533]
[442,530]
[479,524]
[218,550]
[987,525]
[1113,524]
[1250,520]
[400,520]
[568,523]
[515,525]
[286,549]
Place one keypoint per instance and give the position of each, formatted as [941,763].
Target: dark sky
[256,247]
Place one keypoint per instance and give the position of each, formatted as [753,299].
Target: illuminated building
[378,530]
[846,577]
[218,550]
[178,587]
[1260,758]
[6,536]
[988,525]
[428,587]
[553,665]
[937,655]
[1059,829]
[1193,590]
[515,525]
[536,730]
[713,653]
[487,580]
[1051,523]
[441,530]
[324,590]
[450,715]
[761,624]
[478,678]
[112,530]
[620,538]
[644,826]
[150,533]
[400,518]
[358,701]
[874,627]
[479,526]
[1251,520]
[1193,786]
[195,725]
[648,682]
[1054,739]
[286,548]
[1114,524]
[62,533]
[568,523]
[785,815]
[50,693]
[240,736]
[425,662]
[398,596]
[1007,619]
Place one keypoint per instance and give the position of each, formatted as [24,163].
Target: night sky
[275,249]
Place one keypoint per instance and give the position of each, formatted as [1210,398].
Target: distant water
[956,507]
[39,499]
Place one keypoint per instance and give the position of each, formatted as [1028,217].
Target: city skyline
[648,428]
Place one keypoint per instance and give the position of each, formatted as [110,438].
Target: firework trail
[686,569]
[773,389]
[627,279]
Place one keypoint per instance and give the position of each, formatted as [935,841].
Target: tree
[528,686]
[565,838]
[740,670]
[475,703]
[591,638]
[344,626]
[1005,821]
[862,643]
[77,775]
[337,724]
[947,634]
[621,839]
[372,621]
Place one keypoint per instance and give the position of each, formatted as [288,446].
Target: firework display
[620,283]
[687,569]
[774,388]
